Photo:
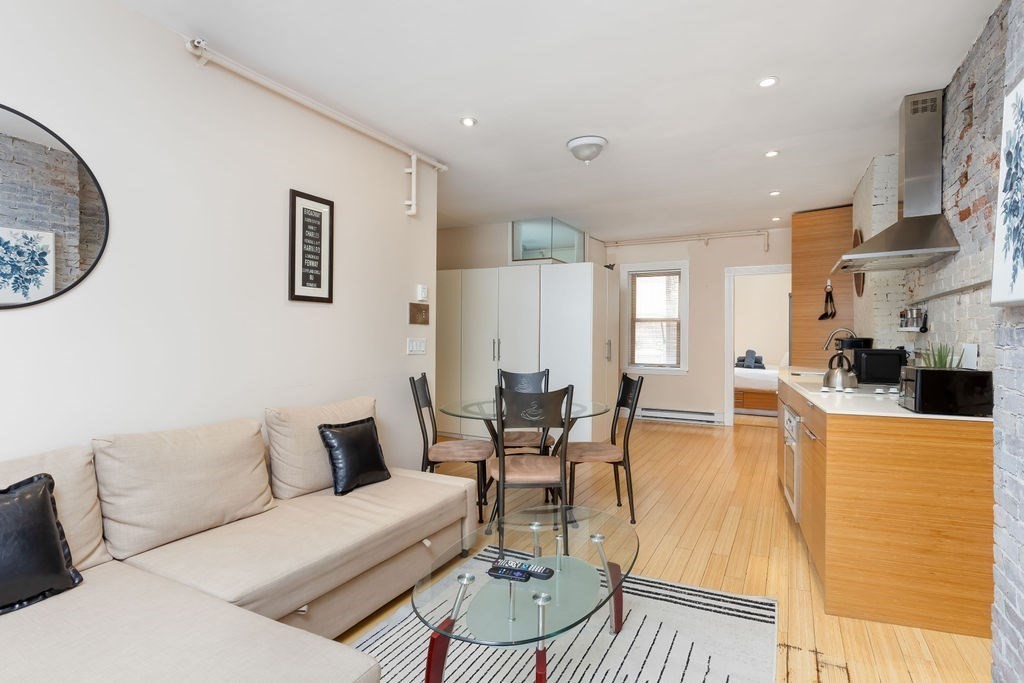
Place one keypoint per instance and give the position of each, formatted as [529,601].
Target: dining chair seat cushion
[526,469]
[525,439]
[465,450]
[589,451]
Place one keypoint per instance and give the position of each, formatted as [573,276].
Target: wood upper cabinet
[819,239]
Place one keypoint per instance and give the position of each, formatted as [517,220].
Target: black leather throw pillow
[35,561]
[354,451]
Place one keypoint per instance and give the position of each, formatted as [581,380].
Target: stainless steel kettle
[840,373]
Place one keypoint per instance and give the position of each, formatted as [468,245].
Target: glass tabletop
[483,409]
[462,600]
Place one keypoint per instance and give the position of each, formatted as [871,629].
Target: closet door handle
[494,356]
[608,352]
[499,349]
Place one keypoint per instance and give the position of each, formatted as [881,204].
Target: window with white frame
[658,297]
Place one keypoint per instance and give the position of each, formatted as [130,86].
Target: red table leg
[615,577]
[437,651]
[542,665]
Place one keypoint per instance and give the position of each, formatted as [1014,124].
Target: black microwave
[950,391]
[878,366]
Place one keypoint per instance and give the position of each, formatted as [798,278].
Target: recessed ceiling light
[774,193]
[468,121]
[772,153]
[768,81]
[776,219]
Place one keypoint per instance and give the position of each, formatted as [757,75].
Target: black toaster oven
[940,391]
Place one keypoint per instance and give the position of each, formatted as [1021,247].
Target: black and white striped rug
[671,632]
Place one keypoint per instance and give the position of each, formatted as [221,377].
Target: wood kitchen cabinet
[812,494]
[819,239]
[896,512]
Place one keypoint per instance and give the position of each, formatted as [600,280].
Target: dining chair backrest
[421,396]
[543,410]
[524,382]
[629,395]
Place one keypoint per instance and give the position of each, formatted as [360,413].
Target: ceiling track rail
[703,237]
[204,55]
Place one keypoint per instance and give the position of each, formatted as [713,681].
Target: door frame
[730,331]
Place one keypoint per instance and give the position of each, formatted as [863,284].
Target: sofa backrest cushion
[78,505]
[298,460]
[158,487]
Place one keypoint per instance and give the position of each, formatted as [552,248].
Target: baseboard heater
[691,416]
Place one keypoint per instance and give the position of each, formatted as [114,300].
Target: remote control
[508,573]
[534,570]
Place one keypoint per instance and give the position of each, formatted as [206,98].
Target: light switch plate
[421,292]
[415,346]
[970,357]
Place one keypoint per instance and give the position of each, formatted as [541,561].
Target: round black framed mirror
[53,215]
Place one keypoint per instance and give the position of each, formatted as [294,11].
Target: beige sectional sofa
[193,570]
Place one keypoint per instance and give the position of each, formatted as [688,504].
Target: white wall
[484,246]
[186,319]
[761,318]
[702,388]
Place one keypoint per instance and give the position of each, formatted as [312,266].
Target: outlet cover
[970,357]
[415,346]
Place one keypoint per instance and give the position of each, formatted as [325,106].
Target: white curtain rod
[703,237]
[203,54]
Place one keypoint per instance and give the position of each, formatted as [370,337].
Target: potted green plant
[941,356]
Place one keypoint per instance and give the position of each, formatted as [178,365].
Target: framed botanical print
[1008,256]
[311,248]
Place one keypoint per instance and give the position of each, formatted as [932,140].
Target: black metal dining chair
[528,382]
[617,455]
[464,450]
[544,410]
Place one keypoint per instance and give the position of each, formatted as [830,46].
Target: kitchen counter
[807,382]
[895,507]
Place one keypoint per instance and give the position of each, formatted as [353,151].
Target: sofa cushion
[35,562]
[123,624]
[158,487]
[279,561]
[78,505]
[298,461]
[355,454]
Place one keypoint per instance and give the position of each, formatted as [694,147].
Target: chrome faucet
[833,333]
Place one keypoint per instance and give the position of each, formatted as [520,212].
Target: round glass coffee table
[568,577]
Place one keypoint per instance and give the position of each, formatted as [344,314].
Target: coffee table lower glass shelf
[468,603]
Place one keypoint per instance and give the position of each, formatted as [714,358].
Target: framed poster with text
[311,248]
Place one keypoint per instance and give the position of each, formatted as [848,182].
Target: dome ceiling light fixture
[586,148]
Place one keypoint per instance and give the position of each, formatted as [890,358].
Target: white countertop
[807,382]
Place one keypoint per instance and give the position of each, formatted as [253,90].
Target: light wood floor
[710,513]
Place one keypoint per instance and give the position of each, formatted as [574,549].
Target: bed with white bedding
[756,390]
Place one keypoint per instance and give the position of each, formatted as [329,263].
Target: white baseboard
[687,416]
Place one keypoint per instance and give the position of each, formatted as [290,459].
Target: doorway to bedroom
[756,340]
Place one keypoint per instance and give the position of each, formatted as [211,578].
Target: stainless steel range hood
[922,235]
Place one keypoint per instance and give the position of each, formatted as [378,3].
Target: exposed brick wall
[92,220]
[1008,606]
[39,191]
[970,172]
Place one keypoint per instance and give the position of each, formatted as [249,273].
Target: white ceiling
[671,83]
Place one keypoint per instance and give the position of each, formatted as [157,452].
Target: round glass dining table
[484,409]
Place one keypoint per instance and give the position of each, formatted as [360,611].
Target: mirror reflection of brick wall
[92,220]
[40,189]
